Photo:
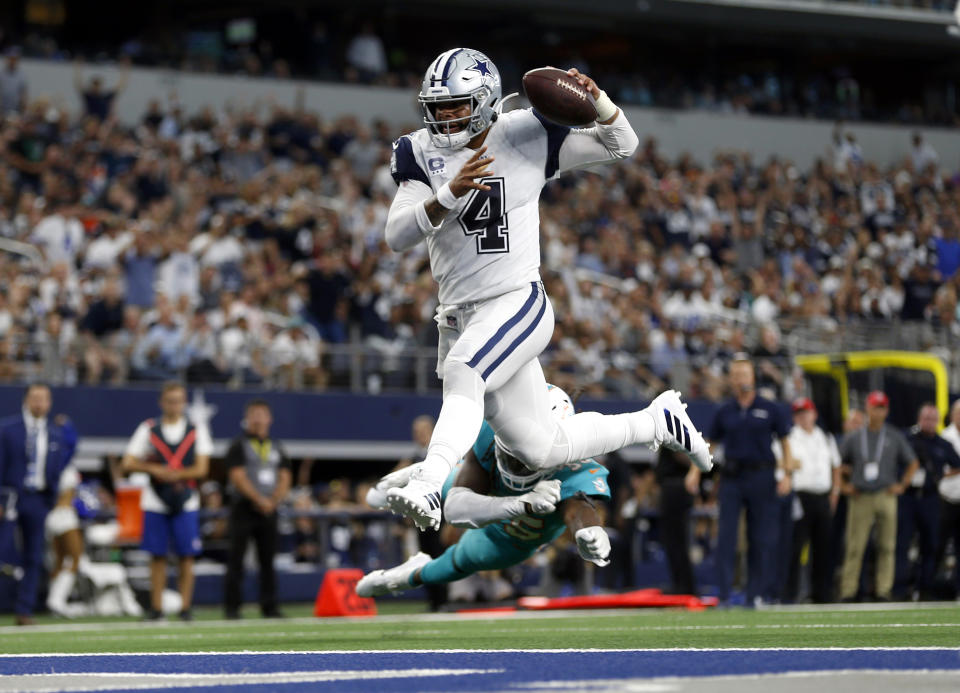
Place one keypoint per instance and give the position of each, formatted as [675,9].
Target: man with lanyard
[747,424]
[34,451]
[816,482]
[874,453]
[919,506]
[950,495]
[175,454]
[260,478]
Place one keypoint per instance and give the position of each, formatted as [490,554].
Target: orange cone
[337,595]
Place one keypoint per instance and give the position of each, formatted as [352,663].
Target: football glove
[594,545]
[543,499]
[377,496]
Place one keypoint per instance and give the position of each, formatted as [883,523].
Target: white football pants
[487,358]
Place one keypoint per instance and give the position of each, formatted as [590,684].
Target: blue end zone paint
[518,667]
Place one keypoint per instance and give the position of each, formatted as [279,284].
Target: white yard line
[180,635]
[314,653]
[106,681]
[259,624]
[870,606]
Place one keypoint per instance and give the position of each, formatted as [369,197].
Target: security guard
[749,477]
[260,478]
[919,506]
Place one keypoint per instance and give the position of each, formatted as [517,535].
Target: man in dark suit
[33,453]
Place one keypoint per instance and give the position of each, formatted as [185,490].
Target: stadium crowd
[339,47]
[244,247]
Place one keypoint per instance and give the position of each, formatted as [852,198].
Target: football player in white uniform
[509,511]
[469,186]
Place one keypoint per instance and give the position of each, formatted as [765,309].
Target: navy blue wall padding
[116,411]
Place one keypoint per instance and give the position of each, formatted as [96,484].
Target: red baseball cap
[803,404]
[878,399]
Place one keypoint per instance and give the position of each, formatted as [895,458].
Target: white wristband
[446,197]
[606,109]
[423,221]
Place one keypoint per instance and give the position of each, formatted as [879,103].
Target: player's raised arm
[611,138]
[416,212]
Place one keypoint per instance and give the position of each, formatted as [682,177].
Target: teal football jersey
[587,477]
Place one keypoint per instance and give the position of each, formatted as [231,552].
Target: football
[559,97]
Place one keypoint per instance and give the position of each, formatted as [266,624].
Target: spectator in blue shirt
[140,265]
[161,353]
[746,425]
[948,251]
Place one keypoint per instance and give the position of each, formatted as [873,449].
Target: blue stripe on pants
[516,342]
[506,327]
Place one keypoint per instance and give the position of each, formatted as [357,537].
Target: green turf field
[397,628]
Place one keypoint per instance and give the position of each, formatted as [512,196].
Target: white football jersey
[489,244]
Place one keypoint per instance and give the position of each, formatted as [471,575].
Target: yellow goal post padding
[837,365]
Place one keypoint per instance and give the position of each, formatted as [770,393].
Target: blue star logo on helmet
[481,67]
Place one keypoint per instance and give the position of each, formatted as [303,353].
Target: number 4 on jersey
[483,216]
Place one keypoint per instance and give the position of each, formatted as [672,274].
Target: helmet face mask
[513,473]
[445,128]
[457,76]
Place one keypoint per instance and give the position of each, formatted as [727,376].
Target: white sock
[60,588]
[128,601]
[589,434]
[457,428]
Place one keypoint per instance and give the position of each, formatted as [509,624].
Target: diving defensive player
[510,512]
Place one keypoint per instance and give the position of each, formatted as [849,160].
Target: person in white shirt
[949,489]
[366,54]
[103,252]
[922,155]
[61,237]
[180,272]
[175,454]
[817,485]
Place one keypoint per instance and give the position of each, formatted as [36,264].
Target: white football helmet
[515,475]
[458,75]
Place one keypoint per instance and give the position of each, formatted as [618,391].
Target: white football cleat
[675,430]
[396,579]
[420,499]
